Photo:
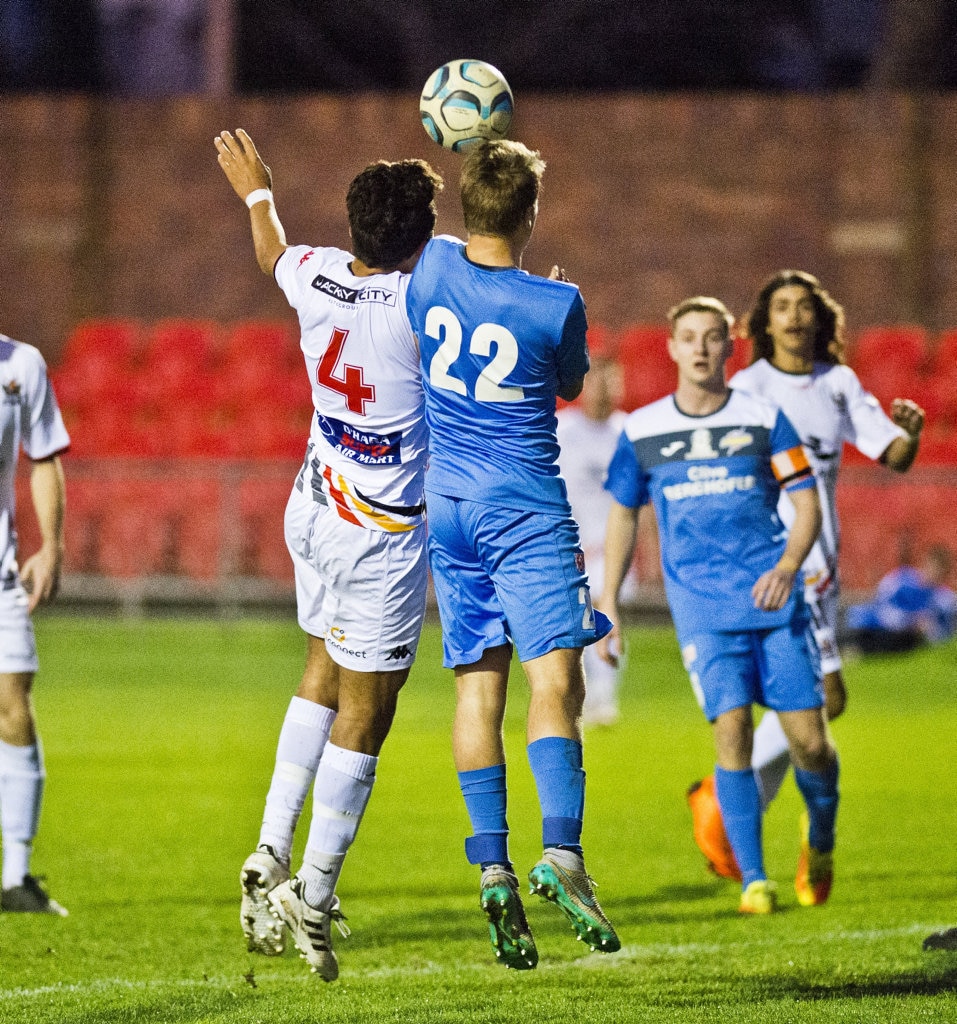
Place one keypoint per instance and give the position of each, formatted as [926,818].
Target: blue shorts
[504,575]
[776,668]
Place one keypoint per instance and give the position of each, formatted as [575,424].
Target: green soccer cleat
[507,925]
[573,891]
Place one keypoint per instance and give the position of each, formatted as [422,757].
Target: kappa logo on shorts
[399,653]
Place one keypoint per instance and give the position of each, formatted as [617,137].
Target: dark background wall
[117,207]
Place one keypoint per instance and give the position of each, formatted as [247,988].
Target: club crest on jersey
[735,440]
[12,393]
[701,447]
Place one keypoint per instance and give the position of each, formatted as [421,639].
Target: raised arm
[40,573]
[252,180]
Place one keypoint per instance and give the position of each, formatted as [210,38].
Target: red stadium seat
[648,370]
[905,346]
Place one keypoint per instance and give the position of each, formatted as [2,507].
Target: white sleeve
[43,432]
[286,274]
[871,429]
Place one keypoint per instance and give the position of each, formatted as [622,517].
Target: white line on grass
[591,961]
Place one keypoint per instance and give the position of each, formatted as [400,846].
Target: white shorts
[18,649]
[360,590]
[823,604]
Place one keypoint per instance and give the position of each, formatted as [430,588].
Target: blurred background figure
[912,606]
[587,434]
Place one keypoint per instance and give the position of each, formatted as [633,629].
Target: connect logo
[338,634]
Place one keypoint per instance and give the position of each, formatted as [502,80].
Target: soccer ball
[465,101]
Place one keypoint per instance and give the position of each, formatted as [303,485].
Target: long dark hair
[828,341]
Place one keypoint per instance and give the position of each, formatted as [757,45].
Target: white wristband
[258,195]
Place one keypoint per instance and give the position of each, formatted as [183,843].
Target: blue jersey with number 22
[496,345]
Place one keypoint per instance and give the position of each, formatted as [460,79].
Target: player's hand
[40,576]
[908,416]
[610,646]
[557,273]
[773,589]
[241,163]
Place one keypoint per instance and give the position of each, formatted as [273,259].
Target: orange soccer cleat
[815,871]
[708,829]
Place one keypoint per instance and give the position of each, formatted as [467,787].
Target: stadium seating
[187,433]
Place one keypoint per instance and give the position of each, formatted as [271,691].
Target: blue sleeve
[626,481]
[573,348]
[783,435]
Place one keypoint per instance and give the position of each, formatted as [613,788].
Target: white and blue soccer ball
[465,101]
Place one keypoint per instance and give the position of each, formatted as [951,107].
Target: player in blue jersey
[713,461]
[497,346]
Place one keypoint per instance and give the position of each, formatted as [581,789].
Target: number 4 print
[351,385]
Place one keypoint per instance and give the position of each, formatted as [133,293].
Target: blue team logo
[735,440]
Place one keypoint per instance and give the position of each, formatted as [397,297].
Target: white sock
[343,787]
[302,740]
[21,793]
[601,685]
[770,757]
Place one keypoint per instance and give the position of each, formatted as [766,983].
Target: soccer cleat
[574,893]
[708,829]
[310,927]
[260,874]
[946,939]
[815,871]
[29,898]
[507,925]
[760,897]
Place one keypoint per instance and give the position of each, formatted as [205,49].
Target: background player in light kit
[714,460]
[354,527]
[587,436]
[29,418]
[797,334]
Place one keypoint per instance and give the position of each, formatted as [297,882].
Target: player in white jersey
[29,419]
[796,329]
[587,436]
[354,527]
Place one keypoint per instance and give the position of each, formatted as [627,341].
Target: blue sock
[741,810]
[485,799]
[820,793]
[556,763]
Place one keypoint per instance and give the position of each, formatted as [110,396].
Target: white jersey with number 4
[368,440]
[29,418]
[827,407]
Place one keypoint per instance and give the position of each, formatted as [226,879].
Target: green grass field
[159,740]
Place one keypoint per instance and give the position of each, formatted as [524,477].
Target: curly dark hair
[391,207]
[828,341]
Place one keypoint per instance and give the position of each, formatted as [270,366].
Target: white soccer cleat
[261,873]
[311,928]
